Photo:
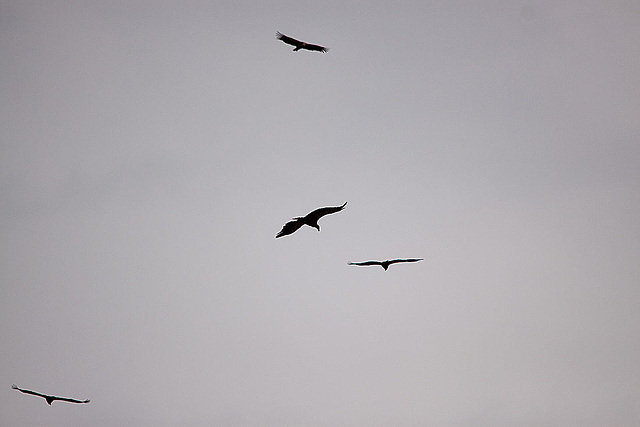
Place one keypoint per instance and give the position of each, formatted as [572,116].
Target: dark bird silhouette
[300,45]
[385,264]
[311,219]
[48,398]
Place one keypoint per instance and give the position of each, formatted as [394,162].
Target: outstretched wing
[67,399]
[316,47]
[289,40]
[320,212]
[365,263]
[35,393]
[290,227]
[394,261]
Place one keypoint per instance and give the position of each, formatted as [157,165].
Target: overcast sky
[150,151]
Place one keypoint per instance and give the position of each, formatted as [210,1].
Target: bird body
[386,263]
[49,398]
[311,219]
[300,44]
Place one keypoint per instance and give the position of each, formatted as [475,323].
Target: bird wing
[365,263]
[288,40]
[35,393]
[67,399]
[290,227]
[320,212]
[316,47]
[393,261]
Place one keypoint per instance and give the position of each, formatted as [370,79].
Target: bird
[310,219]
[48,398]
[386,263]
[300,45]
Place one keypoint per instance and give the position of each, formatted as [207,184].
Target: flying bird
[311,219]
[385,264]
[300,45]
[48,398]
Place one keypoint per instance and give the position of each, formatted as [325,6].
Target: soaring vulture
[300,45]
[385,264]
[48,398]
[311,219]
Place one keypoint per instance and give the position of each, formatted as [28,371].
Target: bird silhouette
[386,263]
[299,44]
[310,219]
[48,398]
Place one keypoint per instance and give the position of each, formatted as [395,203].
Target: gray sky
[150,151]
